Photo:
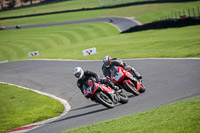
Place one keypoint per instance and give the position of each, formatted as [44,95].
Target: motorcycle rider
[83,76]
[109,62]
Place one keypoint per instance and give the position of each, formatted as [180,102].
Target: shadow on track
[89,106]
[85,114]
[80,115]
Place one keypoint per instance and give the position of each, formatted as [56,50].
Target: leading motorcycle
[124,79]
[103,94]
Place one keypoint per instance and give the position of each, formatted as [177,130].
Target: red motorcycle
[124,79]
[103,94]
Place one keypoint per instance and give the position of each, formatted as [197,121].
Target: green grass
[67,42]
[51,42]
[143,13]
[20,107]
[181,117]
[65,5]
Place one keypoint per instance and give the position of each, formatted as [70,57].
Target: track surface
[119,22]
[167,81]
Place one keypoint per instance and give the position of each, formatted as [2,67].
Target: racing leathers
[119,62]
[93,76]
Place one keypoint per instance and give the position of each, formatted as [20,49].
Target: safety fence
[178,19]
[193,12]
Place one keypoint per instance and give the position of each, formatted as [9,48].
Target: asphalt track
[167,81]
[121,23]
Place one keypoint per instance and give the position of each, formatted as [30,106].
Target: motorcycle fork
[136,83]
[113,97]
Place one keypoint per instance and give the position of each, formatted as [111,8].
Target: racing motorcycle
[124,79]
[103,94]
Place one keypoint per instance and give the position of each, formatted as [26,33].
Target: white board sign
[89,51]
[5,61]
[34,53]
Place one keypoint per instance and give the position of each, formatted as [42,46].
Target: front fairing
[117,76]
[106,89]
[120,74]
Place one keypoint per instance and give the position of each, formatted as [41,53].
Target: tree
[21,1]
[11,3]
[1,2]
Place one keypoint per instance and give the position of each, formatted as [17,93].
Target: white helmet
[78,72]
[106,61]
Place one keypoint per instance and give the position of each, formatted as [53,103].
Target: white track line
[102,59]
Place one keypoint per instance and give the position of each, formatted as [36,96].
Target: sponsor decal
[89,51]
[34,53]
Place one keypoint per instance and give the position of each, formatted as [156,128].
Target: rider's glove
[116,88]
[97,80]
[87,92]
[127,67]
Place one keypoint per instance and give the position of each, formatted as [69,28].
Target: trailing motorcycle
[124,79]
[103,94]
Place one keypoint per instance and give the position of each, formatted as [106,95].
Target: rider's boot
[135,73]
[114,87]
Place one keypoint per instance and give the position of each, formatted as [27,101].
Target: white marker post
[89,51]
[35,53]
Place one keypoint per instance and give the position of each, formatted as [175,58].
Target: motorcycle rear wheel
[104,100]
[131,88]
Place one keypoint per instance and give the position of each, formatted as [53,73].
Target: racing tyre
[123,98]
[131,88]
[104,100]
[142,89]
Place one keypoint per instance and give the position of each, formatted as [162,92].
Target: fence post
[179,14]
[193,12]
[183,12]
[175,15]
[189,12]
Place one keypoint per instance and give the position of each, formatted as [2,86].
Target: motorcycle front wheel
[123,98]
[142,89]
[131,88]
[104,100]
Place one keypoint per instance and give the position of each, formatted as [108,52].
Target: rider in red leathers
[83,76]
[110,62]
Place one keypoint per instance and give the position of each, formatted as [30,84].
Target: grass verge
[20,107]
[143,13]
[67,42]
[181,117]
[63,6]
